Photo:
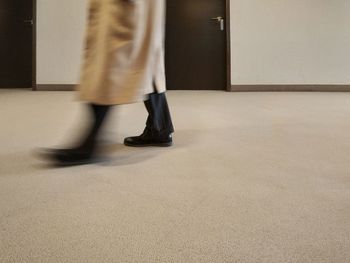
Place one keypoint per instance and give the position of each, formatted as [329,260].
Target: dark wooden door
[195,49]
[16,43]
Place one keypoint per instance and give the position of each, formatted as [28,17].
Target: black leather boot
[149,138]
[85,151]
[159,127]
[67,157]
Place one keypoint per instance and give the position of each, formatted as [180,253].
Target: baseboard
[55,87]
[291,87]
[234,88]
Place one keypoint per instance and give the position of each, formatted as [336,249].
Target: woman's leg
[83,152]
[159,126]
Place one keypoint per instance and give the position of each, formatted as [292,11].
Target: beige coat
[124,52]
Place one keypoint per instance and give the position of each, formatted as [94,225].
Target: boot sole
[166,144]
[47,154]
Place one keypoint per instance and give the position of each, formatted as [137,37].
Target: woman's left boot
[84,152]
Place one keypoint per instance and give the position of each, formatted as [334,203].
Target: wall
[60,31]
[273,41]
[290,41]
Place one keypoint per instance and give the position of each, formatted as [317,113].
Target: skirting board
[234,88]
[55,87]
[320,88]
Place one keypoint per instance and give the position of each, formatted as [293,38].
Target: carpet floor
[252,177]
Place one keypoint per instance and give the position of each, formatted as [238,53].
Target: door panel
[195,45]
[16,43]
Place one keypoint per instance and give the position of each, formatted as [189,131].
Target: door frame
[228,45]
[34,35]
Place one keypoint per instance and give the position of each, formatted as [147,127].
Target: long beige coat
[124,52]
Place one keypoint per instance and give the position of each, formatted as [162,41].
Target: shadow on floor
[114,154]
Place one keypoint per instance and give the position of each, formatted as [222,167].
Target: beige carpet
[253,177]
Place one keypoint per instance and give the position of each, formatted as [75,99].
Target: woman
[123,63]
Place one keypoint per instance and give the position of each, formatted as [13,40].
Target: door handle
[221,20]
[30,22]
[217,18]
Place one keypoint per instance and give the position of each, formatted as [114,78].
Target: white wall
[60,31]
[290,41]
[273,41]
